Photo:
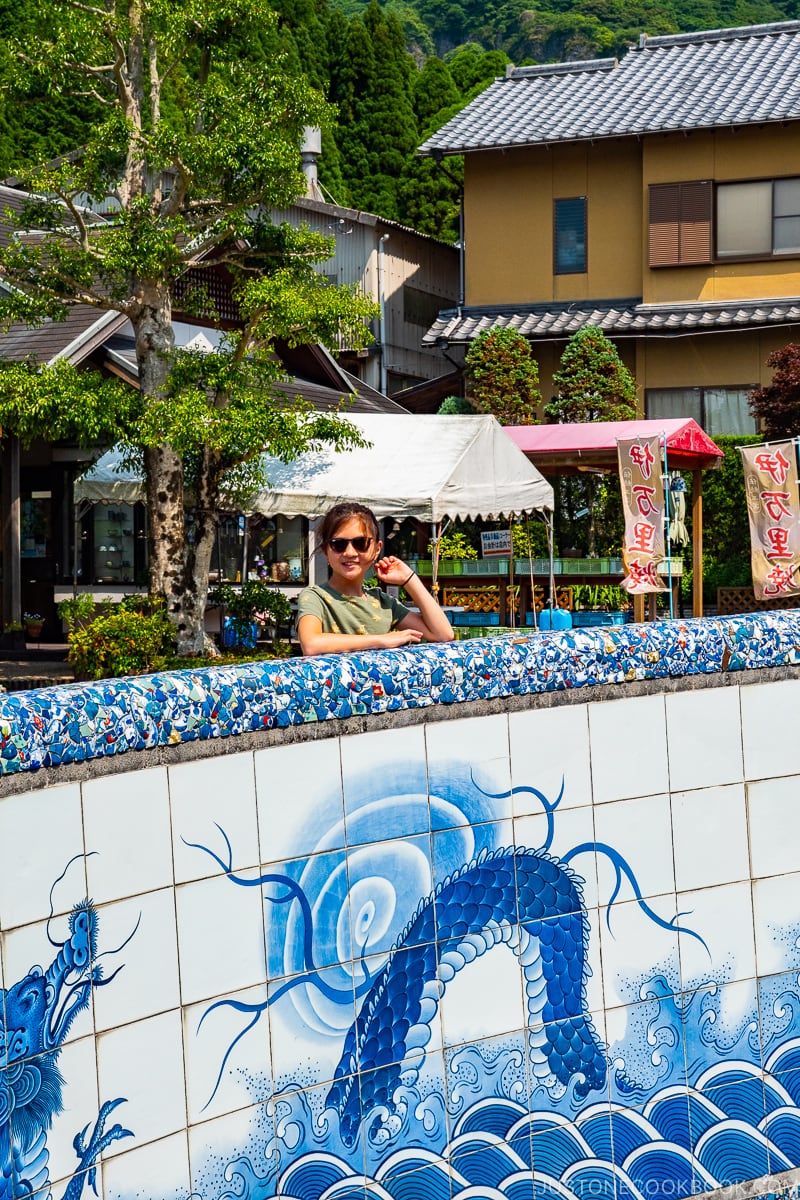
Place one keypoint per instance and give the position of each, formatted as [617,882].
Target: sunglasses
[359,544]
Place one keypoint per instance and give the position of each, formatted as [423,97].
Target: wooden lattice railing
[732,600]
[487,599]
[481,599]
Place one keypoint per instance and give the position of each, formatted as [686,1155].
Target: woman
[342,614]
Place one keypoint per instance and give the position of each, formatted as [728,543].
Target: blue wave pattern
[737,1120]
[76,722]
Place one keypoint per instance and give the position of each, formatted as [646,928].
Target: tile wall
[543,951]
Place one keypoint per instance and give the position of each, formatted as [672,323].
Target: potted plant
[247,608]
[34,623]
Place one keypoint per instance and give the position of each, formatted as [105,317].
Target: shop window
[114,542]
[278,549]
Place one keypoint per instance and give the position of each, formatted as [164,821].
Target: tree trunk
[171,567]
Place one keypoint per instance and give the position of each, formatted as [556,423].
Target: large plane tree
[195,131]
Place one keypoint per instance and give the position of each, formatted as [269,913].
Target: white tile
[387,881]
[628,747]
[775,904]
[710,837]
[143,1062]
[299,798]
[483,999]
[220,938]
[723,918]
[385,784]
[571,829]
[159,1169]
[29,948]
[205,794]
[307,1028]
[769,729]
[704,738]
[76,1065]
[469,771]
[227,1054]
[128,842]
[639,832]
[215,1144]
[635,948]
[139,941]
[550,752]
[774,817]
[40,833]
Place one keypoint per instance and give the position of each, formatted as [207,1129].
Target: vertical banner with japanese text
[642,487]
[773,506]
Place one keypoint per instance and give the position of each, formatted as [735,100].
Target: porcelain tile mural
[420,962]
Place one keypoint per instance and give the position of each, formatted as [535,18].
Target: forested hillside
[395,73]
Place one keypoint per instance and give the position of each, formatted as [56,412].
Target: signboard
[773,506]
[496,543]
[643,504]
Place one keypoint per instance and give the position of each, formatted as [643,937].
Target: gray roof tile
[744,76]
[616,318]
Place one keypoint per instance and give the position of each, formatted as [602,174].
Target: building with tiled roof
[656,196]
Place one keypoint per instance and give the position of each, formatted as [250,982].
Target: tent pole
[697,543]
[436,533]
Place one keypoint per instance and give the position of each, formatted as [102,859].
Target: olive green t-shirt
[374,612]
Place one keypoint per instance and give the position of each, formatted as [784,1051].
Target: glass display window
[113,543]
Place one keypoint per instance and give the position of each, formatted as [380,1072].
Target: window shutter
[664,224]
[695,222]
[680,223]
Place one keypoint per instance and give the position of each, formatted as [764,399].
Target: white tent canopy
[429,467]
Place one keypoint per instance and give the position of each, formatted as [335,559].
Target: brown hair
[346,511]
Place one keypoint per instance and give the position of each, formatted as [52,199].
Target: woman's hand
[393,571]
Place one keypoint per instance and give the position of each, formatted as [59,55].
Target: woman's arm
[430,621]
[314,641]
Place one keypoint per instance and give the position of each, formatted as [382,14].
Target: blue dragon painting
[36,1015]
[525,898]
[517,896]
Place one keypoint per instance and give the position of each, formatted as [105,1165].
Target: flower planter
[33,631]
[237,632]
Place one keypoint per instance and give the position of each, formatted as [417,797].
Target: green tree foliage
[502,377]
[592,382]
[177,200]
[455,406]
[777,406]
[377,130]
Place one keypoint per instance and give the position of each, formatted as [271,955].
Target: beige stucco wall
[721,155]
[509,218]
[509,235]
[509,223]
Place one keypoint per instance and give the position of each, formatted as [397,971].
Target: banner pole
[667,525]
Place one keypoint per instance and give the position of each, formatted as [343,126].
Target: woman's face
[345,559]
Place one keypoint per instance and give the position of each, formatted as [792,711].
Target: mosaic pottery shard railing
[76,722]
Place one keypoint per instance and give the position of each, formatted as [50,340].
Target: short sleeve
[310,604]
